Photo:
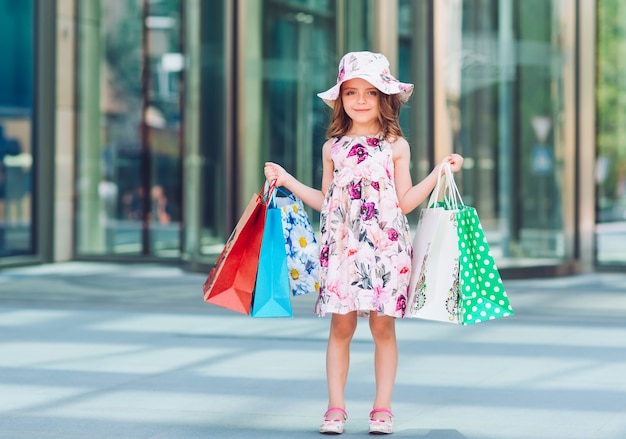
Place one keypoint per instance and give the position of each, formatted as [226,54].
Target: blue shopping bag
[272,293]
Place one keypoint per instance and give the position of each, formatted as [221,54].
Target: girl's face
[360,102]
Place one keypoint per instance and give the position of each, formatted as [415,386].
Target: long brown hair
[389,111]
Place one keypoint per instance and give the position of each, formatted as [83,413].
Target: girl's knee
[383,327]
[343,326]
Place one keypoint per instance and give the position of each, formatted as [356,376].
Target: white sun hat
[374,68]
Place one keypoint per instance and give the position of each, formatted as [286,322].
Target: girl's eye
[373,93]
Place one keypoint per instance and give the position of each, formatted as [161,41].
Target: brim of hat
[404,90]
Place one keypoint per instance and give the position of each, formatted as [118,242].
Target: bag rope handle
[451,195]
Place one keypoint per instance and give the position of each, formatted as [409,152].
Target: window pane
[289,58]
[414,42]
[209,91]
[16,112]
[504,80]
[110,196]
[296,46]
[129,144]
[611,135]
[163,120]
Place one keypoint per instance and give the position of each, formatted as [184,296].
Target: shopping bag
[433,289]
[482,294]
[272,294]
[454,278]
[303,253]
[230,283]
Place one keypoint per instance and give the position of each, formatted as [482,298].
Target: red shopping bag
[231,283]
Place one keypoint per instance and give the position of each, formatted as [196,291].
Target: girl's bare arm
[309,196]
[410,196]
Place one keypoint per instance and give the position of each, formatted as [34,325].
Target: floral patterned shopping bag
[303,253]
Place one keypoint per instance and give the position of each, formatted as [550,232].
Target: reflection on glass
[298,45]
[162,122]
[129,159]
[291,57]
[414,42]
[504,84]
[210,189]
[16,110]
[611,140]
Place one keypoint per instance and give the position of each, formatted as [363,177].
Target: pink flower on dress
[333,289]
[379,294]
[375,185]
[373,141]
[368,210]
[324,256]
[355,190]
[359,151]
[372,171]
[401,304]
[343,177]
[393,234]
[388,205]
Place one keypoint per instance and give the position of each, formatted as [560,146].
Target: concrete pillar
[65,140]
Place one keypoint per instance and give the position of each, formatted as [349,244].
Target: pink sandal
[333,426]
[381,426]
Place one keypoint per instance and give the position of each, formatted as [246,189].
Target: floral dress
[365,238]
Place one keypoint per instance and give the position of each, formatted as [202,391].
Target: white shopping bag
[434,286]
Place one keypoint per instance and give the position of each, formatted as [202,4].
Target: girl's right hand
[454,160]
[275,172]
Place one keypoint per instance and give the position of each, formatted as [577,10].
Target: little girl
[365,236]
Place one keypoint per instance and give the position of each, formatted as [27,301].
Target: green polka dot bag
[481,293]
[454,278]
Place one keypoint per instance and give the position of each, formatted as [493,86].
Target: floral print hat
[374,68]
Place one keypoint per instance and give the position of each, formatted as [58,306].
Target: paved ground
[93,350]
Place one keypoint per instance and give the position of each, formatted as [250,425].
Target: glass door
[129,142]
[297,48]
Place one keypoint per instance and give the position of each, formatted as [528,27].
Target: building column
[65,139]
[586,145]
[385,38]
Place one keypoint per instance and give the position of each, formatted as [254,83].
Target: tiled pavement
[96,350]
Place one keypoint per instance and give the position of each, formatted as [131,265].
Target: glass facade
[179,102]
[611,133]
[505,90]
[17,152]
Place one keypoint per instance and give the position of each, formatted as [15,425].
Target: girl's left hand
[455,161]
[275,173]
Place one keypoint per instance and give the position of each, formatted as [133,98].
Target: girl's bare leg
[342,329]
[385,359]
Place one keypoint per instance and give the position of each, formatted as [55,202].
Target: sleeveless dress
[365,260]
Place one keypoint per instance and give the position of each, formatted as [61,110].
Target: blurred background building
[136,130]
